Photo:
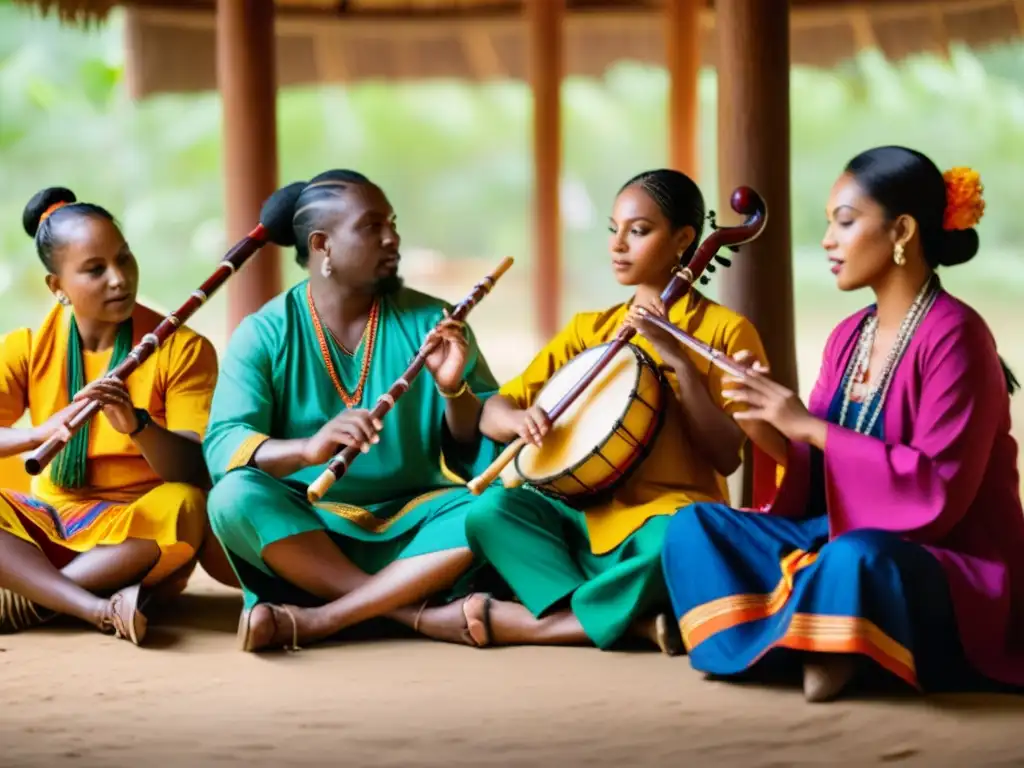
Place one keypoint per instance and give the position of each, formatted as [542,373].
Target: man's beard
[389,285]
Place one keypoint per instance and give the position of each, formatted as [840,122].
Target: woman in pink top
[896,541]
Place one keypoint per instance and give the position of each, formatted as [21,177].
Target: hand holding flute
[747,381]
[444,352]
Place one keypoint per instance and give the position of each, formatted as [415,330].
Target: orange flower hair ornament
[964,203]
[49,211]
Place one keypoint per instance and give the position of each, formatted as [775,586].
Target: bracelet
[457,393]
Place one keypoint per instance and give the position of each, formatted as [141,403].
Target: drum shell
[607,433]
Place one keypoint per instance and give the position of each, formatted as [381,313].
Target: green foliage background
[455,158]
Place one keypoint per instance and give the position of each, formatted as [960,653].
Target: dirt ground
[70,696]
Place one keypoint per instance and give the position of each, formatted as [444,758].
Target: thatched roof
[171,44]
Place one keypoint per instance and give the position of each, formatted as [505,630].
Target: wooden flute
[337,467]
[717,357]
[37,460]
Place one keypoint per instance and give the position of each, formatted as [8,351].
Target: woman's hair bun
[40,203]
[958,247]
[277,213]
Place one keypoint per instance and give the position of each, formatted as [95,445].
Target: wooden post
[682,59]
[544,21]
[247,80]
[753,149]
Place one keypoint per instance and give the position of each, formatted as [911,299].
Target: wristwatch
[143,418]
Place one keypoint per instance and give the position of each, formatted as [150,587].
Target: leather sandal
[245,641]
[126,619]
[18,612]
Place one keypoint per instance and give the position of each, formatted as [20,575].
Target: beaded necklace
[369,337]
[857,370]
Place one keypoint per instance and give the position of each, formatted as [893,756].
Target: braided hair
[310,204]
[681,202]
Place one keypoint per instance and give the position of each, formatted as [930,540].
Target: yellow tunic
[124,498]
[675,473]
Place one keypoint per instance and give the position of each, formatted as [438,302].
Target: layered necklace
[857,370]
[369,337]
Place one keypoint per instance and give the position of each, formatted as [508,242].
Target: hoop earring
[897,255]
[325,267]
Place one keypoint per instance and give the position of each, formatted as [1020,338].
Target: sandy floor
[73,697]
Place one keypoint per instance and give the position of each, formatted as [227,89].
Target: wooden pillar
[248,88]
[544,19]
[753,149]
[682,59]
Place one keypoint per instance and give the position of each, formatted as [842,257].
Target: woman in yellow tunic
[120,507]
[595,576]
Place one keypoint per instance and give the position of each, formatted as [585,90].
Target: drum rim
[642,356]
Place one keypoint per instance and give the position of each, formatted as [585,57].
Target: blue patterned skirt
[746,586]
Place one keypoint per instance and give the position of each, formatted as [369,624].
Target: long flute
[337,467]
[744,200]
[37,460]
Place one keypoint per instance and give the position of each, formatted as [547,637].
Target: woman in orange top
[121,506]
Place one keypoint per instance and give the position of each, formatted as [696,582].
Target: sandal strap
[295,626]
[419,615]
[113,620]
[17,612]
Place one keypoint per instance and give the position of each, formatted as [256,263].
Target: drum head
[591,419]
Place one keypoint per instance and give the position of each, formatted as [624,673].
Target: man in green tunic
[294,387]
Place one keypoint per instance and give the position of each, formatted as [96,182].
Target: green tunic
[405,497]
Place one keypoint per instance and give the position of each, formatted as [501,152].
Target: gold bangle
[457,393]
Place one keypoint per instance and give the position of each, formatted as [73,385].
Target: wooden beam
[938,19]
[682,59]
[245,74]
[437,23]
[753,150]
[544,25]
[863,31]
[330,59]
[481,54]
[1018,6]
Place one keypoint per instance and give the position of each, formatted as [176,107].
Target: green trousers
[250,510]
[541,549]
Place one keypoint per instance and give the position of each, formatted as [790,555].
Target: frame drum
[606,432]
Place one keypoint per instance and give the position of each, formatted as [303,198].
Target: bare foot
[459,622]
[827,676]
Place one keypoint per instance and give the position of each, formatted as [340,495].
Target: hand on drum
[666,345]
[447,361]
[354,427]
[532,424]
[769,401]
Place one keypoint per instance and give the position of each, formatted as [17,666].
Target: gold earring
[325,267]
[897,255]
